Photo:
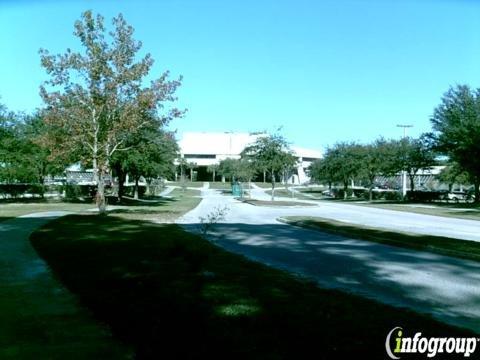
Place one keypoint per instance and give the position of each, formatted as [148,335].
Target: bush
[424,196]
[18,190]
[130,189]
[393,195]
[75,192]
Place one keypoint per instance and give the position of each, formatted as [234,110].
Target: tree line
[455,136]
[347,162]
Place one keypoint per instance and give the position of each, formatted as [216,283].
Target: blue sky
[326,71]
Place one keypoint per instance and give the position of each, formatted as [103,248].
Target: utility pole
[404,173]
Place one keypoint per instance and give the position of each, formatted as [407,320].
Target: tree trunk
[191,174]
[477,189]
[135,189]
[100,200]
[148,191]
[273,186]
[264,176]
[213,176]
[412,182]
[345,190]
[371,178]
[121,181]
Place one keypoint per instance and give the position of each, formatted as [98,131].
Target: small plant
[212,218]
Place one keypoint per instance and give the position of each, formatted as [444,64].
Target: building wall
[206,149]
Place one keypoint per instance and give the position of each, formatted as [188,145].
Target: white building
[207,148]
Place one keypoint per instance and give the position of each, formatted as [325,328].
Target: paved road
[39,318]
[447,288]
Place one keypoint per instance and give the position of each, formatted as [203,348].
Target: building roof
[227,143]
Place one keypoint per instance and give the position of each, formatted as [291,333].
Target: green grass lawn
[460,211]
[10,210]
[276,203]
[196,184]
[221,186]
[171,294]
[161,210]
[315,191]
[288,194]
[442,245]
[263,185]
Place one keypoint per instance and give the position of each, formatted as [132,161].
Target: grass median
[464,249]
[171,294]
[458,211]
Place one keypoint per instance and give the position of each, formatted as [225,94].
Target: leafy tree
[37,156]
[229,168]
[212,169]
[321,171]
[456,130]
[151,155]
[375,160]
[8,147]
[416,155]
[271,153]
[453,174]
[289,166]
[238,169]
[23,159]
[96,100]
[342,162]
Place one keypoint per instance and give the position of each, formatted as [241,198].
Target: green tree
[343,163]
[190,165]
[321,171]
[271,153]
[151,155]
[229,168]
[456,130]
[416,155]
[375,160]
[8,147]
[96,100]
[453,174]
[23,159]
[213,169]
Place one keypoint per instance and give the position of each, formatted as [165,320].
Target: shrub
[75,192]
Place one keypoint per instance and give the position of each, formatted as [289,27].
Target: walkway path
[39,319]
[447,288]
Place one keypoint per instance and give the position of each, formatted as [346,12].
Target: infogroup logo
[400,344]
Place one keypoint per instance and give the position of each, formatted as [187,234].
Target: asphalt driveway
[447,288]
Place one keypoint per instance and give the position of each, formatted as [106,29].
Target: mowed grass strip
[288,194]
[458,211]
[173,295]
[464,249]
[276,203]
[165,210]
[10,209]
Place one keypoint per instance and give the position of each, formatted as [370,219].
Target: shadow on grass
[172,294]
[39,319]
[161,201]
